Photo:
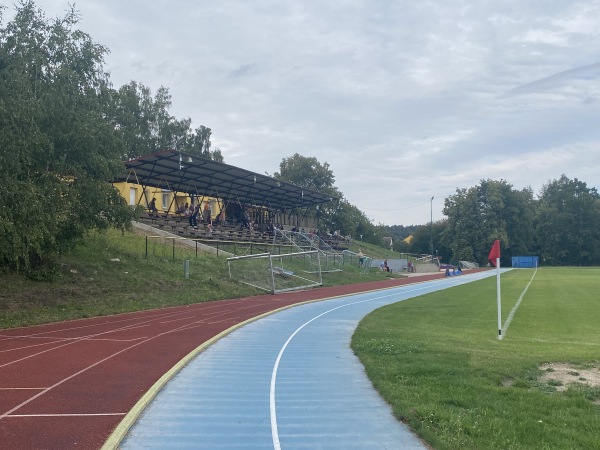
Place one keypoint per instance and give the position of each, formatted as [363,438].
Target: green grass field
[437,360]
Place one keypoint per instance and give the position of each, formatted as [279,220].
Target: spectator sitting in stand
[152,207]
[245,218]
[221,219]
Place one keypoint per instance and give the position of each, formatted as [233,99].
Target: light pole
[431,229]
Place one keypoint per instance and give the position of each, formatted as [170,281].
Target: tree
[309,173]
[144,123]
[567,223]
[198,143]
[58,152]
[479,215]
[146,126]
[421,242]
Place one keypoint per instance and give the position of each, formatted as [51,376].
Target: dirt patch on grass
[561,375]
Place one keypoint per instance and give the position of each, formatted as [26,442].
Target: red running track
[68,385]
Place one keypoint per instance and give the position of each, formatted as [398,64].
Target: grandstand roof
[182,172]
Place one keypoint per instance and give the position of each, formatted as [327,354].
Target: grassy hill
[109,273]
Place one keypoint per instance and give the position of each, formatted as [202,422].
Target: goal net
[277,273]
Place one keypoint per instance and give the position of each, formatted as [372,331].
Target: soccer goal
[277,273]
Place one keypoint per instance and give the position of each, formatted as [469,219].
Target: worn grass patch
[436,359]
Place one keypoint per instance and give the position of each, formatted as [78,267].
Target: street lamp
[431,230]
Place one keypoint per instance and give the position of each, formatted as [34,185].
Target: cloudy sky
[406,100]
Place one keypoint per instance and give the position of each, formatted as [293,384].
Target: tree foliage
[146,126]
[479,215]
[309,173]
[567,223]
[57,149]
[424,236]
[350,220]
[339,214]
[198,143]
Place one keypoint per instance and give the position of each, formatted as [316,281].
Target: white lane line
[514,310]
[558,342]
[70,340]
[75,341]
[21,388]
[177,320]
[87,338]
[272,408]
[92,337]
[85,369]
[7,337]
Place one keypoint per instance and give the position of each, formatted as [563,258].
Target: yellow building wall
[134,195]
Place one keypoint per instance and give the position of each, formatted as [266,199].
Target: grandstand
[234,241]
[237,240]
[178,178]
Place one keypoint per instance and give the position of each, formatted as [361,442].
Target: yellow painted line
[20,416]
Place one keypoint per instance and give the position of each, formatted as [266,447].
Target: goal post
[277,273]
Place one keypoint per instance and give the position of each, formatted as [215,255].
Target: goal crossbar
[277,273]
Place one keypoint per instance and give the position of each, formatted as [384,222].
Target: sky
[405,100]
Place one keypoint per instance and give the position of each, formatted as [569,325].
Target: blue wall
[525,261]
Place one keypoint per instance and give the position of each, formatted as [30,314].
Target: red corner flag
[494,252]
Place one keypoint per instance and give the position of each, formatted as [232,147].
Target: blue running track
[287,381]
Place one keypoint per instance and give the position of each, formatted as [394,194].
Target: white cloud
[404,100]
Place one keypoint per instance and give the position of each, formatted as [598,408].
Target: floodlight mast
[431,229]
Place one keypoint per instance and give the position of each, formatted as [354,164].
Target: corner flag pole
[494,258]
[499,298]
